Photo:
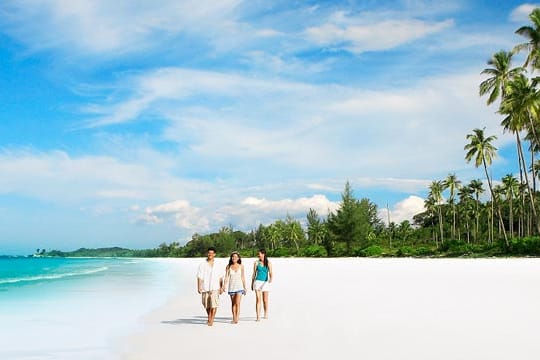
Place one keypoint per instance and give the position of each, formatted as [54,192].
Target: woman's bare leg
[265,301]
[233,305]
[237,299]
[258,301]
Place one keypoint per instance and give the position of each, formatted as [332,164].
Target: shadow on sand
[201,320]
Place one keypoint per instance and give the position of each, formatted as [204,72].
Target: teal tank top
[262,272]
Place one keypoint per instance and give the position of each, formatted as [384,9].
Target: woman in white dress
[235,283]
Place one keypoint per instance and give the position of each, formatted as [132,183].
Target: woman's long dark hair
[230,259]
[265,261]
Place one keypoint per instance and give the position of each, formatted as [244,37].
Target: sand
[366,308]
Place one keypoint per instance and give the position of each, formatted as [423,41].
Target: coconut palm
[466,209]
[477,188]
[436,189]
[293,232]
[534,148]
[499,192]
[523,101]
[501,73]
[452,184]
[519,114]
[430,206]
[532,34]
[315,227]
[483,151]
[511,187]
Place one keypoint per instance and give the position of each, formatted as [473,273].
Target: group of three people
[211,283]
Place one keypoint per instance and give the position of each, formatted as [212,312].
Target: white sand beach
[366,308]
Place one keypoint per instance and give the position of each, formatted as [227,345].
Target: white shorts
[261,285]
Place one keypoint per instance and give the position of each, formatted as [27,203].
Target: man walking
[209,284]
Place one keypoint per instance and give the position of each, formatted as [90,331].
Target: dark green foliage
[423,251]
[405,251]
[353,222]
[525,246]
[458,248]
[314,251]
[372,251]
[281,252]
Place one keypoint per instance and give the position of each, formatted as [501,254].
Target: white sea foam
[52,276]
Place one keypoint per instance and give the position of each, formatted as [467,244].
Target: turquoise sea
[77,308]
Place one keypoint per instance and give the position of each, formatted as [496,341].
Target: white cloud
[403,210]
[288,124]
[58,177]
[521,13]
[150,219]
[360,34]
[170,207]
[184,215]
[102,26]
[244,214]
[293,206]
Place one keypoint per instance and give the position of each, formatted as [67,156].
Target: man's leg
[205,300]
[214,303]
[212,316]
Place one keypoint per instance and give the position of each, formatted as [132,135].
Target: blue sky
[134,123]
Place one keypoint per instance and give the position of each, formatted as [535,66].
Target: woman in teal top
[262,278]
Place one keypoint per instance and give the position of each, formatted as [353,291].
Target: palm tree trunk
[493,198]
[477,218]
[533,172]
[511,214]
[492,230]
[441,224]
[468,232]
[454,220]
[525,172]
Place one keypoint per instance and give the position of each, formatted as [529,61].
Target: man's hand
[199,290]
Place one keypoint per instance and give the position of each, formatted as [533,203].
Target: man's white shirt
[210,275]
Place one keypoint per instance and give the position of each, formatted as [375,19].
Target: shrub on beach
[372,251]
[423,251]
[404,251]
[282,252]
[525,246]
[314,251]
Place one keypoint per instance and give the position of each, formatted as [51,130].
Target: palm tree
[532,34]
[465,199]
[430,205]
[477,188]
[404,229]
[436,189]
[483,151]
[501,73]
[316,228]
[294,231]
[519,115]
[534,148]
[499,192]
[511,187]
[523,101]
[452,184]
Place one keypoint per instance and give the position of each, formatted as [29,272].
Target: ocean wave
[52,276]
